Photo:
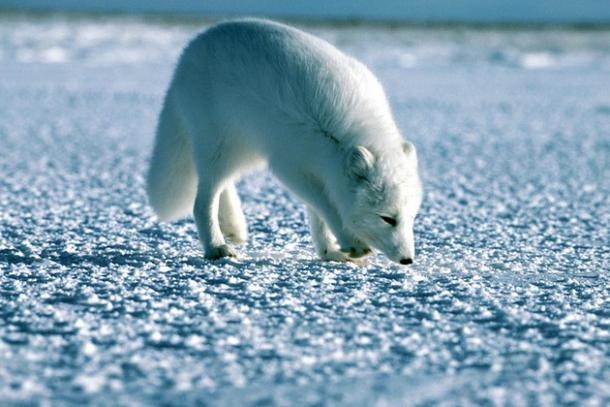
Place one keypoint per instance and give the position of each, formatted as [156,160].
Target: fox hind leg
[206,219]
[230,215]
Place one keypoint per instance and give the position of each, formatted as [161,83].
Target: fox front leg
[323,240]
[326,243]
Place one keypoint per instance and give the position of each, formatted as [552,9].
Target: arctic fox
[249,92]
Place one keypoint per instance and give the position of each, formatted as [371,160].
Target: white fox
[249,92]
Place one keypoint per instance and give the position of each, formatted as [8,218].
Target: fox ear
[408,148]
[410,152]
[360,162]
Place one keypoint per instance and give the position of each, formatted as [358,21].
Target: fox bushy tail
[172,179]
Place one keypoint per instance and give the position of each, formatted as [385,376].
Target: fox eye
[390,221]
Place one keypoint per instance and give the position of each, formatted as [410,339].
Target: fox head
[386,194]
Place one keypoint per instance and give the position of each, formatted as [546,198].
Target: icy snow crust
[507,302]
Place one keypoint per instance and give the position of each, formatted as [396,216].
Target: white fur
[250,92]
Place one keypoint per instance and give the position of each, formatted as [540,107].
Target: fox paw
[220,252]
[358,249]
[333,255]
[339,256]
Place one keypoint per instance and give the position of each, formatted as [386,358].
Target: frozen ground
[508,301]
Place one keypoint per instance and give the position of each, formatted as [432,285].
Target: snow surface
[508,301]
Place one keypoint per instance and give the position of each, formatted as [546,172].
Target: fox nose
[406,260]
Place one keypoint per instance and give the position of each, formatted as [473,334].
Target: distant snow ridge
[128,40]
[62,40]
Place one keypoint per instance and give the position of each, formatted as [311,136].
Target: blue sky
[413,10]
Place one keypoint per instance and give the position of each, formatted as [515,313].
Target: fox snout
[401,255]
[405,259]
[406,252]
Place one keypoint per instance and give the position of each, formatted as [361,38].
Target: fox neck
[338,184]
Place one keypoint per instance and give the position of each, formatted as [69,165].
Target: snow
[508,301]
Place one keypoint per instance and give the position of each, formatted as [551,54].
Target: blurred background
[472,11]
